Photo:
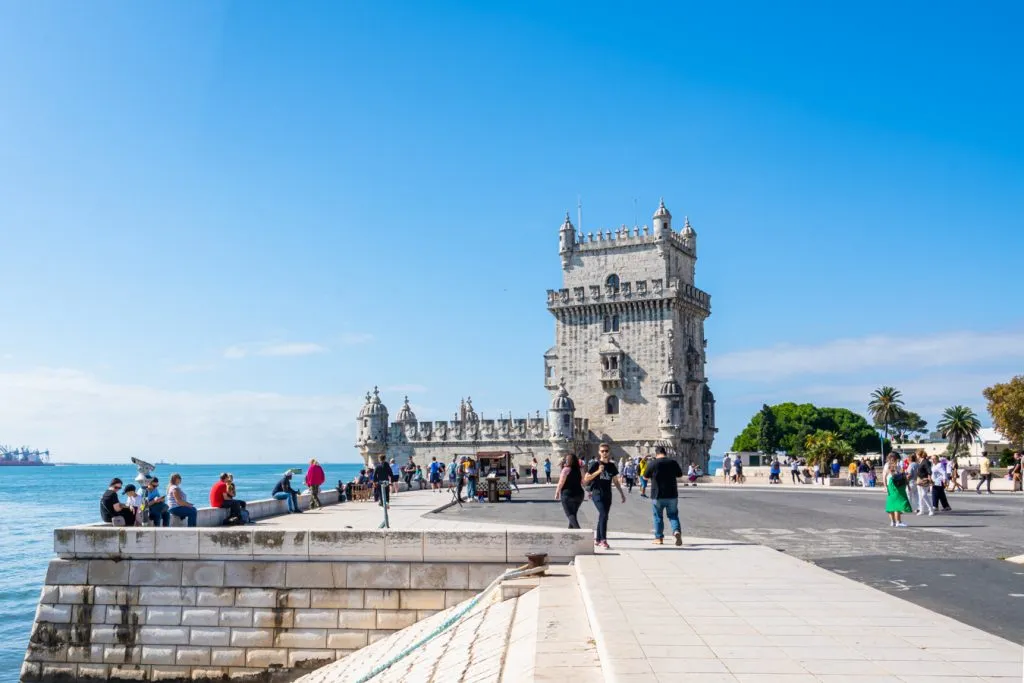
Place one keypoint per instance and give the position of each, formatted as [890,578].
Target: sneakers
[919,512]
[658,541]
[892,523]
[679,538]
[931,513]
[604,544]
[900,524]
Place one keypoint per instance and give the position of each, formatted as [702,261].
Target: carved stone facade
[628,359]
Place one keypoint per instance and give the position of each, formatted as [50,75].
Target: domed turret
[670,408]
[689,235]
[662,218]
[561,417]
[405,413]
[566,241]
[372,427]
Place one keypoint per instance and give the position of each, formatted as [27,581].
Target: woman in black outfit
[570,490]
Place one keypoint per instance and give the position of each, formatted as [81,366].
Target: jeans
[471,488]
[159,514]
[792,474]
[570,506]
[924,498]
[235,508]
[939,496]
[604,507]
[293,500]
[185,512]
[671,507]
[987,480]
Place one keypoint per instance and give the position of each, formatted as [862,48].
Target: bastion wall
[204,604]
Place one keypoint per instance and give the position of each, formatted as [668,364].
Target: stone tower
[629,337]
[372,428]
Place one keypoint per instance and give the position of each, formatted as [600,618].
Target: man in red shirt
[220,497]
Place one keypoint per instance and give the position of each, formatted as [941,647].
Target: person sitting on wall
[284,491]
[221,497]
[111,507]
[135,501]
[179,503]
[156,506]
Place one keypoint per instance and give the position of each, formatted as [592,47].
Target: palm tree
[885,406]
[960,426]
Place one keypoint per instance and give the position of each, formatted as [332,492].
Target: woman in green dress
[896,502]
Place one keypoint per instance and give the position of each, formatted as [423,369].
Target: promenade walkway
[724,611]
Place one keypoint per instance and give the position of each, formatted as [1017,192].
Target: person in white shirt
[134,501]
[940,475]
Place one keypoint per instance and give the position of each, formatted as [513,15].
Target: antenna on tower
[579,212]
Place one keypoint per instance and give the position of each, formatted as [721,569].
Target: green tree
[960,426]
[824,446]
[906,424]
[796,421]
[1006,406]
[768,432]
[886,404]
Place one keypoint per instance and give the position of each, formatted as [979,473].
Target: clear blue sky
[221,223]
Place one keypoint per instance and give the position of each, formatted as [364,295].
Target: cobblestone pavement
[949,563]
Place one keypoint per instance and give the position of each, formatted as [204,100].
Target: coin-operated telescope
[144,470]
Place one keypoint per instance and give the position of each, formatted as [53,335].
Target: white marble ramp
[721,611]
[540,636]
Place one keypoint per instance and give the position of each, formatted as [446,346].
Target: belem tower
[627,367]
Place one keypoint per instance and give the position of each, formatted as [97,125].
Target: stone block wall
[244,604]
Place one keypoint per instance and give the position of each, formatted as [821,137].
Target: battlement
[531,428]
[640,290]
[624,236]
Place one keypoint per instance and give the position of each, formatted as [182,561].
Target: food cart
[493,468]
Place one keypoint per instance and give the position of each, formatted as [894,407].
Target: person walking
[396,475]
[737,464]
[601,476]
[283,491]
[629,472]
[642,469]
[817,473]
[1016,472]
[984,475]
[315,478]
[923,482]
[726,469]
[570,490]
[896,502]
[547,470]
[384,478]
[180,507]
[533,471]
[453,469]
[664,473]
[940,473]
[794,470]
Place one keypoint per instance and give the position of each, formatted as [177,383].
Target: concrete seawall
[245,603]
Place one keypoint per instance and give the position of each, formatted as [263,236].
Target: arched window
[613,282]
[565,419]
[611,405]
[615,323]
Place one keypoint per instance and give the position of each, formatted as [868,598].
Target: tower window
[611,405]
[611,323]
[565,420]
[615,323]
[613,282]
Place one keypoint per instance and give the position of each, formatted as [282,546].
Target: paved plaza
[949,563]
[729,606]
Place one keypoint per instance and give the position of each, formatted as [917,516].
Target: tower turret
[689,235]
[670,409]
[566,241]
[405,414]
[372,428]
[662,219]
[561,419]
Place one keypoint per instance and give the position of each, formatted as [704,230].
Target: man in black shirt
[601,474]
[110,505]
[382,478]
[663,473]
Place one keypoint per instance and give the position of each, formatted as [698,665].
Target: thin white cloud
[355,338]
[406,389]
[845,356]
[191,368]
[239,351]
[292,349]
[82,418]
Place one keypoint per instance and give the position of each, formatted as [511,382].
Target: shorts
[435,478]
